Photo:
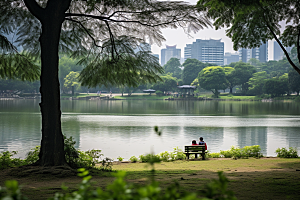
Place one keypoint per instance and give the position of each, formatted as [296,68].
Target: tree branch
[94,41]
[124,21]
[280,44]
[35,9]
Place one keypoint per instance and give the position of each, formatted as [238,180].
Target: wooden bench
[195,149]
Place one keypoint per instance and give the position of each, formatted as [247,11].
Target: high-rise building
[259,53]
[231,57]
[168,53]
[210,51]
[277,51]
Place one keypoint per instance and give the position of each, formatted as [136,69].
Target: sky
[179,38]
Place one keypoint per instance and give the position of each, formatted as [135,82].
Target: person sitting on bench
[194,142]
[202,142]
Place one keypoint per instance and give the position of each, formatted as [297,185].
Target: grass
[265,178]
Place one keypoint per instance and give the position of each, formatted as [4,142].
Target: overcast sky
[179,38]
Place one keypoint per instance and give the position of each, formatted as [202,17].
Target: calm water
[125,128]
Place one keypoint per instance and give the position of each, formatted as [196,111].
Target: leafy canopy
[251,23]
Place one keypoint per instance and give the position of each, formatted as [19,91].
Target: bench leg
[203,156]
[196,155]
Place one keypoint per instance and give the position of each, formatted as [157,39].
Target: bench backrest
[194,148]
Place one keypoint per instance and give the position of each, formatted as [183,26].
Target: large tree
[173,66]
[101,32]
[213,78]
[191,69]
[251,23]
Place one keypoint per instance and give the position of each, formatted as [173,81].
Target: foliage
[159,93]
[191,69]
[75,158]
[133,159]
[120,189]
[173,67]
[287,153]
[164,156]
[71,81]
[149,158]
[213,155]
[294,81]
[33,155]
[167,83]
[6,160]
[256,83]
[213,78]
[276,86]
[245,152]
[217,189]
[242,73]
[120,158]
[251,23]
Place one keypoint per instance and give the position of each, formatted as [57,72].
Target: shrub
[213,155]
[245,152]
[33,155]
[120,158]
[252,151]
[284,153]
[149,158]
[133,159]
[164,156]
[6,160]
[178,154]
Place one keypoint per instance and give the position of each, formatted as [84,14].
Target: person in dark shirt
[202,142]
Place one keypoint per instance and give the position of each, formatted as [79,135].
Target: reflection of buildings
[259,53]
[208,51]
[168,53]
[249,136]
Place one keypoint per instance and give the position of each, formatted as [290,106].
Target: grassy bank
[265,178]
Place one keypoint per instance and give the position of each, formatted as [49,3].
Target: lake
[126,128]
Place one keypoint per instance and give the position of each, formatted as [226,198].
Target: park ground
[264,178]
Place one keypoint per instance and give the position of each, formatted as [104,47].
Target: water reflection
[125,128]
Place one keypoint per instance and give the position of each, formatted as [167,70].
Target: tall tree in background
[101,32]
[191,69]
[173,66]
[294,81]
[251,23]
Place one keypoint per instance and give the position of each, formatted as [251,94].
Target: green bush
[75,158]
[245,152]
[133,159]
[149,158]
[164,156]
[33,155]
[6,160]
[120,158]
[213,155]
[284,153]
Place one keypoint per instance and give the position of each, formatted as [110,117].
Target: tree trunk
[230,88]
[52,144]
